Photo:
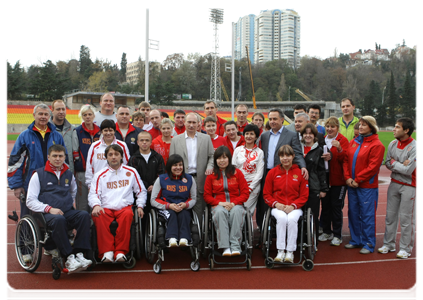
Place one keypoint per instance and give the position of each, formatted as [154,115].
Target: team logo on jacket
[295,176]
[128,174]
[133,140]
[409,148]
[184,180]
[66,181]
[353,145]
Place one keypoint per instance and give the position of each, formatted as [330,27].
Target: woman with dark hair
[318,186]
[174,194]
[225,191]
[361,169]
[250,160]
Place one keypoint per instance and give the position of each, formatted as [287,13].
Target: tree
[15,81]
[392,102]
[369,103]
[282,87]
[123,64]
[98,82]
[85,62]
[408,101]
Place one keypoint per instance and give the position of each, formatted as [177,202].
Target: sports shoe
[335,241]
[351,246]
[365,251]
[235,252]
[82,260]
[385,249]
[27,258]
[72,264]
[54,252]
[227,252]
[403,254]
[173,242]
[320,230]
[289,257]
[107,257]
[281,256]
[325,237]
[183,242]
[120,257]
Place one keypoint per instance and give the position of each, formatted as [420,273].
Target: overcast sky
[35,31]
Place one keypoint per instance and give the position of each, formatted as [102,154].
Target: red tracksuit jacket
[336,164]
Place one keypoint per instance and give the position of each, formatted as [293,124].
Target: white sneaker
[173,242]
[82,260]
[325,237]
[289,257]
[235,253]
[385,249]
[281,256]
[72,264]
[336,241]
[120,257]
[27,258]
[320,230]
[227,252]
[54,252]
[107,257]
[183,242]
[403,254]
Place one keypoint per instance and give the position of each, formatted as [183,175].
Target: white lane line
[223,268]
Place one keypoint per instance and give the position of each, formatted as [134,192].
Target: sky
[36,31]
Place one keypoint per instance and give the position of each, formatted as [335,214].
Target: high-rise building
[244,36]
[277,36]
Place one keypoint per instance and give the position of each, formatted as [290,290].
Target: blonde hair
[332,121]
[84,109]
[166,121]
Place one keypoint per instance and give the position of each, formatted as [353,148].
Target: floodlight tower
[216,17]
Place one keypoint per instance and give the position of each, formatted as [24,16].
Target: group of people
[180,167]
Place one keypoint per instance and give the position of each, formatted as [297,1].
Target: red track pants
[105,240]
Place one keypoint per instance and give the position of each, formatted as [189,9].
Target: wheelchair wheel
[150,237]
[157,267]
[56,273]
[308,265]
[27,243]
[138,237]
[249,264]
[130,264]
[195,266]
[250,233]
[269,263]
[311,235]
[265,232]
[205,243]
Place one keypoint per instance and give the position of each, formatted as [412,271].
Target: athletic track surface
[374,276]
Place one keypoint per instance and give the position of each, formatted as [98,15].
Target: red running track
[335,267]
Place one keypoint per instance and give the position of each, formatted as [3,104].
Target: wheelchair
[155,243]
[135,244]
[210,242]
[306,240]
[30,237]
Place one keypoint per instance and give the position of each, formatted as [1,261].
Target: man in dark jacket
[149,165]
[125,131]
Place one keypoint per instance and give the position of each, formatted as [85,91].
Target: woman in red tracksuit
[331,217]
[361,168]
[286,191]
[225,191]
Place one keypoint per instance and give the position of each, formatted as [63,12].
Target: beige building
[77,99]
[134,69]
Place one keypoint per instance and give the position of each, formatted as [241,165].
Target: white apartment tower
[244,36]
[277,36]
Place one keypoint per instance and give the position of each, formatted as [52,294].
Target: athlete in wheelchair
[111,198]
[172,223]
[286,192]
[51,194]
[225,192]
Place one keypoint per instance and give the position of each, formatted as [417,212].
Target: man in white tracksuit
[401,204]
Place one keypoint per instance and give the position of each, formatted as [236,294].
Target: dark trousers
[314,203]
[72,219]
[178,225]
[331,217]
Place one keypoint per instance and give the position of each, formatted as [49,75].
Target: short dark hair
[179,112]
[56,148]
[347,99]
[231,122]
[174,159]
[267,126]
[108,124]
[313,131]
[278,110]
[209,119]
[314,106]
[252,127]
[230,169]
[407,123]
[164,114]
[300,106]
[116,148]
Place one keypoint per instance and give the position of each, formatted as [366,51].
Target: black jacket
[148,171]
[130,139]
[316,169]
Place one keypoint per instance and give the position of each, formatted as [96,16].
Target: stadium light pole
[146,65]
[216,17]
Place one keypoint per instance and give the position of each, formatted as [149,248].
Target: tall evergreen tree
[408,102]
[85,62]
[122,72]
[392,103]
[15,81]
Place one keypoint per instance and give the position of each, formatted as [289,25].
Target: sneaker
[27,258]
[120,258]
[281,256]
[72,264]
[351,246]
[320,230]
[107,257]
[54,252]
[385,249]
[227,252]
[325,237]
[336,241]
[173,242]
[365,251]
[403,254]
[289,257]
[183,242]
[235,252]
[81,259]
